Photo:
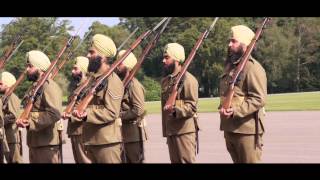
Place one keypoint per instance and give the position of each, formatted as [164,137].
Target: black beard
[168,70]
[76,78]
[122,74]
[94,64]
[234,56]
[33,77]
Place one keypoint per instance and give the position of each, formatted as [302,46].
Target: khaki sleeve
[52,102]
[189,107]
[111,108]
[256,82]
[137,99]
[14,110]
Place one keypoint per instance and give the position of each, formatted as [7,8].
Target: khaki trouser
[134,152]
[14,156]
[78,149]
[242,147]
[45,154]
[107,153]
[182,148]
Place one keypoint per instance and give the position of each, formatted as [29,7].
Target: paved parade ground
[291,137]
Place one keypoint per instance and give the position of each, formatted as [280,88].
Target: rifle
[84,103]
[69,56]
[172,98]
[35,89]
[10,51]
[244,59]
[75,96]
[145,52]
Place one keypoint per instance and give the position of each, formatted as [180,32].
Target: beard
[95,64]
[75,80]
[76,77]
[121,74]
[33,77]
[234,56]
[166,70]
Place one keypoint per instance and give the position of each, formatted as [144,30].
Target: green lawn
[275,102]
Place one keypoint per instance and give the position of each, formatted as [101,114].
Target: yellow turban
[82,63]
[176,51]
[130,60]
[104,45]
[7,78]
[242,34]
[38,59]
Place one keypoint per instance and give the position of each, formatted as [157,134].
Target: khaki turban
[7,78]
[176,51]
[130,60]
[82,63]
[38,59]
[104,45]
[242,34]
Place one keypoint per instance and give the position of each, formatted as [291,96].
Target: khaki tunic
[45,114]
[12,131]
[181,128]
[249,97]
[103,125]
[185,120]
[133,112]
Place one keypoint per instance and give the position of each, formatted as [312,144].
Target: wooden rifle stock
[173,95]
[244,59]
[85,102]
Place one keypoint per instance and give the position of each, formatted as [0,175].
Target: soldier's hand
[79,115]
[22,123]
[168,108]
[226,112]
[66,116]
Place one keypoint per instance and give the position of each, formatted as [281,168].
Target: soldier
[180,126]
[132,113]
[4,148]
[11,113]
[102,125]
[242,123]
[74,129]
[42,126]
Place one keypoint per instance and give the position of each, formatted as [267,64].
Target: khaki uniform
[102,127]
[12,132]
[133,122]
[182,128]
[243,132]
[74,132]
[4,148]
[42,134]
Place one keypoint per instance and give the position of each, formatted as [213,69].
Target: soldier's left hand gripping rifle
[244,59]
[79,110]
[170,104]
[9,52]
[23,119]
